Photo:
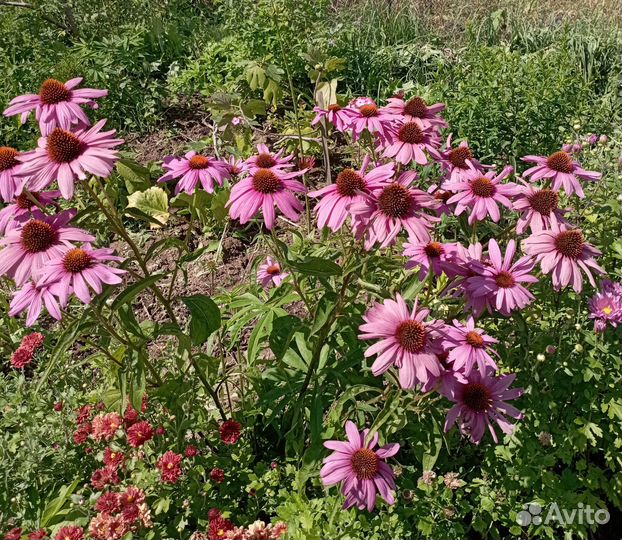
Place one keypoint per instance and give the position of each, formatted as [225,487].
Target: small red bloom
[71,532]
[13,534]
[113,459]
[160,430]
[230,431]
[84,413]
[21,358]
[132,496]
[145,403]
[39,534]
[217,475]
[213,514]
[130,417]
[32,341]
[104,477]
[59,405]
[108,503]
[101,406]
[81,435]
[139,433]
[191,451]
[218,528]
[105,426]
[170,467]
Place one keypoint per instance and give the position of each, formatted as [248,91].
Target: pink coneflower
[270,273]
[32,298]
[349,188]
[11,183]
[606,306]
[235,166]
[416,109]
[481,192]
[430,255]
[562,169]
[499,282]
[265,159]
[139,433]
[193,169]
[441,196]
[459,161]
[42,238]
[480,401]
[82,268]
[65,156]
[56,105]
[367,116]
[448,375]
[564,253]
[338,116]
[105,426]
[230,431]
[409,141]
[170,467]
[360,468]
[264,189]
[468,346]
[14,215]
[406,341]
[537,207]
[382,215]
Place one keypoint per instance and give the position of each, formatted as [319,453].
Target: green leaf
[205,318]
[136,176]
[316,266]
[55,505]
[134,290]
[152,202]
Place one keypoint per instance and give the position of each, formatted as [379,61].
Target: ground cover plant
[329,304]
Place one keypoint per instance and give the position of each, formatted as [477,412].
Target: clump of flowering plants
[381,326]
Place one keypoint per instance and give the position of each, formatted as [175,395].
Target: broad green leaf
[152,202]
[134,290]
[316,266]
[205,318]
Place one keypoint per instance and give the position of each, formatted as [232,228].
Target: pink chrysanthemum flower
[367,116]
[537,207]
[499,282]
[482,192]
[230,432]
[193,169]
[19,211]
[264,189]
[70,532]
[65,156]
[481,401]
[349,188]
[270,273]
[564,171]
[458,161]
[170,467]
[82,268]
[105,426]
[468,346]
[416,109]
[606,306]
[265,159]
[382,215]
[27,249]
[564,253]
[406,341]
[409,141]
[11,183]
[360,468]
[430,255]
[57,105]
[338,116]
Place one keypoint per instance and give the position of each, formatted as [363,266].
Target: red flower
[21,358]
[105,426]
[32,341]
[132,496]
[213,514]
[145,404]
[58,406]
[130,417]
[13,534]
[81,434]
[218,527]
[71,532]
[26,350]
[104,477]
[84,413]
[139,433]
[113,459]
[108,503]
[39,534]
[192,451]
[230,431]
[160,430]
[170,467]
[217,475]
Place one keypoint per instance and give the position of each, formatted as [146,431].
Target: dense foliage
[192,339]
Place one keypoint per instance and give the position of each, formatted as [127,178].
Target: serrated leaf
[152,202]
